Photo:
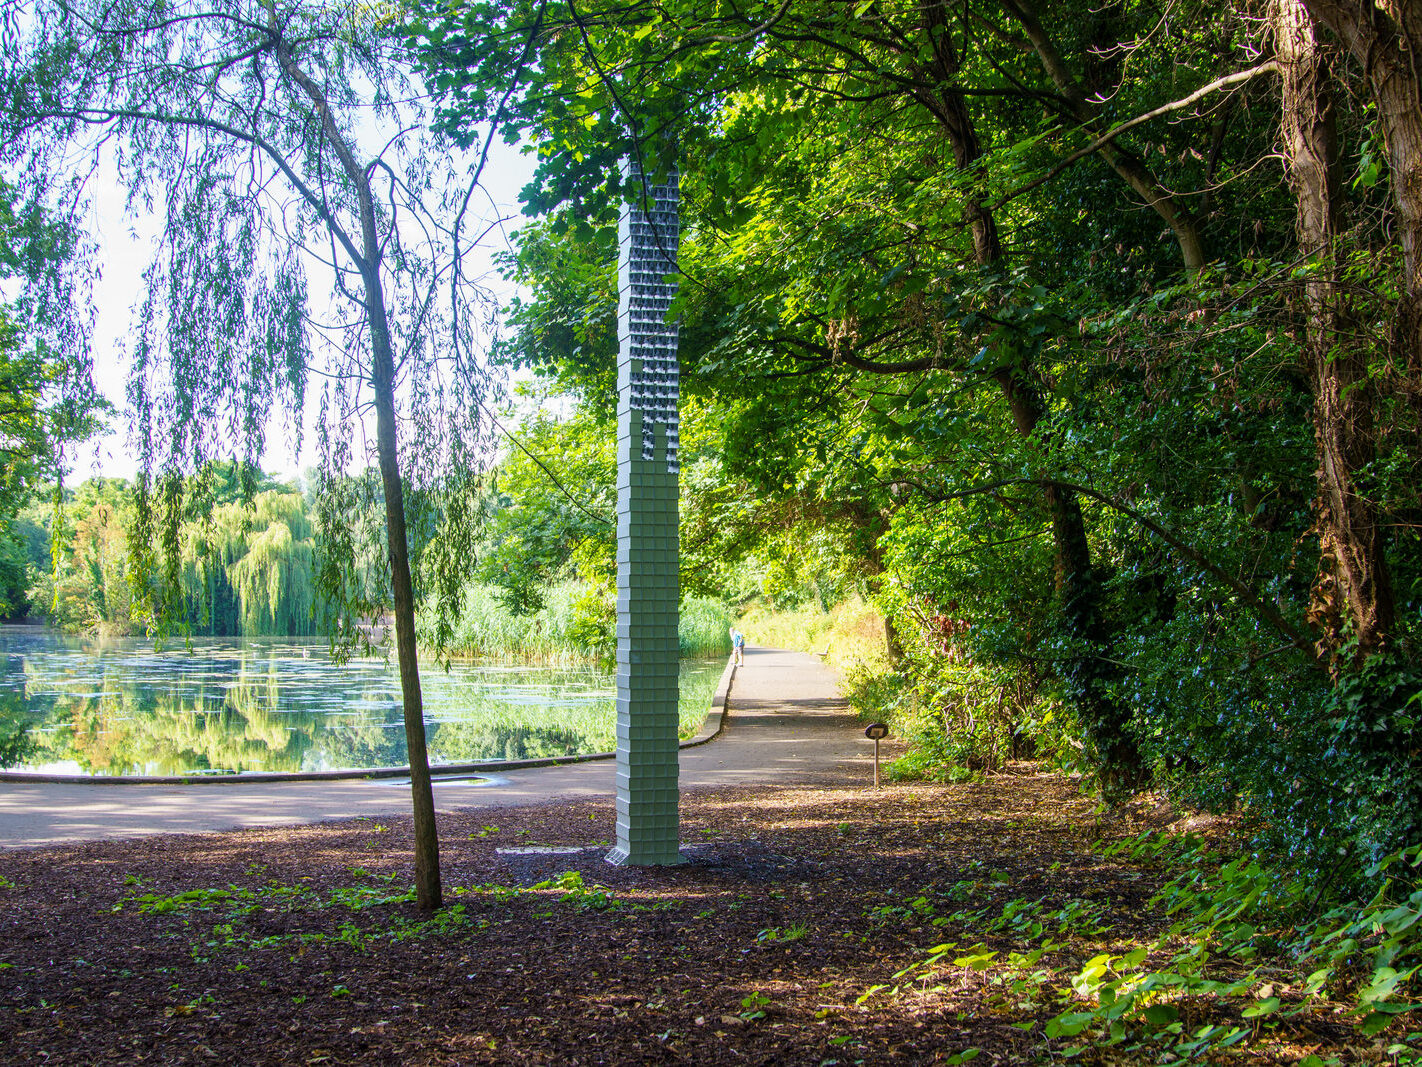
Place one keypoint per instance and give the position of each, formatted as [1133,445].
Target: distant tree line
[247,566]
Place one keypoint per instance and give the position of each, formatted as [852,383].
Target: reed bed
[576,625]
[850,635]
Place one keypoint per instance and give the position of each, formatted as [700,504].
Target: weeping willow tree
[273,583]
[210,552]
[279,142]
[275,579]
[250,569]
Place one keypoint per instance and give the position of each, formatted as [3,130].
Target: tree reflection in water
[229,705]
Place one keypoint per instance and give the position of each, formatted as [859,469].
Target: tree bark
[1085,671]
[946,102]
[428,893]
[874,558]
[1353,582]
[1385,36]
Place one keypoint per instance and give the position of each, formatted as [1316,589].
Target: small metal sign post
[876,731]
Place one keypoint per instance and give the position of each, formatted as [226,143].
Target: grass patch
[576,625]
[850,634]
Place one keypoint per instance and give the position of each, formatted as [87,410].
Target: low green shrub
[960,719]
[1251,956]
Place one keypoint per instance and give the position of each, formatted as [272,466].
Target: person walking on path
[738,647]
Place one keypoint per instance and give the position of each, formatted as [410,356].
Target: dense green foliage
[246,568]
[47,401]
[1042,385]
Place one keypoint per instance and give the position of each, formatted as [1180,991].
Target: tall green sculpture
[648,821]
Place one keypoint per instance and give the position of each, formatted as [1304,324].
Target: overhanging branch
[1271,67]
[1298,638]
[100,116]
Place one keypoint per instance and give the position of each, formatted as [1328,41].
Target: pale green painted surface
[648,820]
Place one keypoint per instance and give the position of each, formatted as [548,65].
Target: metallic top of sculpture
[650,231]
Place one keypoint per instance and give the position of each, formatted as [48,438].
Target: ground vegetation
[996,922]
[1074,337]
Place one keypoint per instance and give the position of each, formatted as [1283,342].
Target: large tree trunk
[1086,670]
[1353,582]
[1385,36]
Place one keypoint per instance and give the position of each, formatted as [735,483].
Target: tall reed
[576,625]
[705,627]
[486,628]
[850,634]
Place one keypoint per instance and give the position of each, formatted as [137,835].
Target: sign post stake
[877,731]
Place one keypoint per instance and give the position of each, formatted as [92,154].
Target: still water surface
[229,705]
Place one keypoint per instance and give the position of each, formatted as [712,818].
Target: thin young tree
[276,142]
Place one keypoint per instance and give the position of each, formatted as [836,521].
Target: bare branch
[1239,77]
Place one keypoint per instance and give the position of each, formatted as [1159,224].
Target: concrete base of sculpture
[619,858]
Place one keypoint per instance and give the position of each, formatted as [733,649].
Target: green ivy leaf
[1267,1006]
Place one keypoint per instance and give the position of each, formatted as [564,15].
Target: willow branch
[104,115]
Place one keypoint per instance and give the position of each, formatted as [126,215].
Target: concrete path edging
[783,724]
[716,717]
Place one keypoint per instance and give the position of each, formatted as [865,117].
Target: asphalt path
[785,724]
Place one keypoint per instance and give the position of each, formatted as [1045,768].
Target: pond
[221,705]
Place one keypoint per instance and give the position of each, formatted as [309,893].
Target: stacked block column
[648,821]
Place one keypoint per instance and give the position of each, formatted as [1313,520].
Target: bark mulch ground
[301,946]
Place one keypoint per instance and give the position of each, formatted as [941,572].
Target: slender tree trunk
[874,558]
[1090,678]
[1353,581]
[428,893]
[1135,173]
[1086,671]
[942,97]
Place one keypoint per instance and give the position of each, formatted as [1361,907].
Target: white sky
[126,246]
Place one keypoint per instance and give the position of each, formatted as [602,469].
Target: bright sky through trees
[125,242]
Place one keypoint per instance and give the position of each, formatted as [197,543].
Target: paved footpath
[785,725]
